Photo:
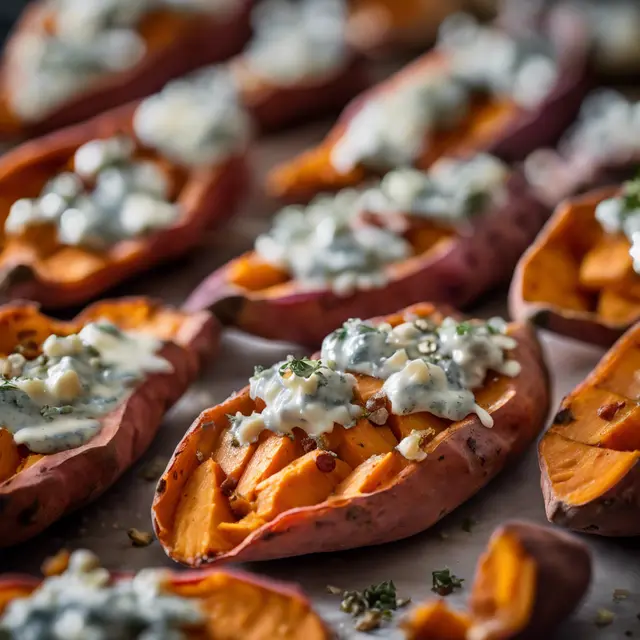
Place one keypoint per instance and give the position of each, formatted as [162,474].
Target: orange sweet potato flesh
[589,456]
[237,606]
[176,43]
[278,490]
[33,265]
[577,280]
[528,580]
[27,481]
[313,171]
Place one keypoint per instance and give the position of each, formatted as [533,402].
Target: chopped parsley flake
[444,582]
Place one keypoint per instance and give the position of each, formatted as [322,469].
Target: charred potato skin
[456,274]
[206,40]
[472,452]
[209,198]
[59,483]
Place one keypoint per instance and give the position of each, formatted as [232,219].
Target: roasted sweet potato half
[174,42]
[36,265]
[528,580]
[201,605]
[589,458]
[449,262]
[352,486]
[481,121]
[55,466]
[576,279]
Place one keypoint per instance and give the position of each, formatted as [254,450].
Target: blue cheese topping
[83,603]
[394,127]
[451,191]
[425,367]
[90,40]
[325,244]
[308,394]
[53,402]
[297,41]
[128,198]
[188,126]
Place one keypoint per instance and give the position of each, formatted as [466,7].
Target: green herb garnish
[301,367]
[631,196]
[444,582]
[5,384]
[111,329]
[49,413]
[463,328]
[371,606]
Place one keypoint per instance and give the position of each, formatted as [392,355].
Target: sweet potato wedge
[33,265]
[42,488]
[589,458]
[452,266]
[528,580]
[336,498]
[235,605]
[177,42]
[494,125]
[576,281]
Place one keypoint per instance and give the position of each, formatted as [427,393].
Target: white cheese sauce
[451,191]
[90,40]
[297,41]
[53,402]
[425,367]
[197,120]
[128,198]
[622,215]
[83,603]
[326,244]
[394,128]
[307,394]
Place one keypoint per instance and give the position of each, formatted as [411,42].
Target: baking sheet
[102,526]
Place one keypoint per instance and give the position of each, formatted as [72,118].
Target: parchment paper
[514,494]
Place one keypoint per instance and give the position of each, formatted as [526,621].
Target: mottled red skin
[209,40]
[419,496]
[456,272]
[586,326]
[210,197]
[289,590]
[276,107]
[59,483]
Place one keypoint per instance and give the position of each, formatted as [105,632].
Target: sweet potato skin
[197,41]
[56,484]
[586,326]
[563,574]
[187,582]
[470,451]
[276,107]
[209,197]
[456,272]
[521,133]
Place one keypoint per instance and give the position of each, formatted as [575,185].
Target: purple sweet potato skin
[615,513]
[212,40]
[470,452]
[563,574]
[60,483]
[479,258]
